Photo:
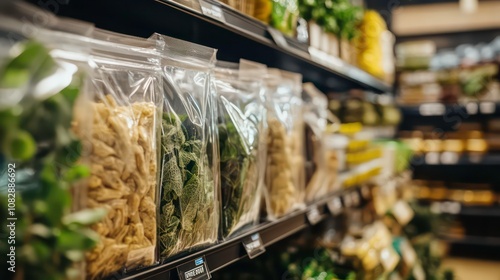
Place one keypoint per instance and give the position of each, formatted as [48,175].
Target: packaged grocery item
[189,212]
[242,147]
[42,86]
[321,165]
[284,172]
[284,16]
[123,156]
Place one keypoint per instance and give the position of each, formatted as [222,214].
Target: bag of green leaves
[321,165]
[189,212]
[284,191]
[44,80]
[123,154]
[242,146]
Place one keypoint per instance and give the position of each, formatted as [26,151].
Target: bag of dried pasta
[123,149]
[242,146]
[284,179]
[189,212]
[321,167]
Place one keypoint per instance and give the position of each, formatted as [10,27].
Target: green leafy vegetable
[239,175]
[187,202]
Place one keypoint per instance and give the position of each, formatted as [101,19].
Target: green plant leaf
[84,217]
[80,239]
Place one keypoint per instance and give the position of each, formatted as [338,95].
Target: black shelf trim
[449,108]
[230,251]
[471,240]
[479,159]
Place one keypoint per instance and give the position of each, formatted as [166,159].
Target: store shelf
[465,110]
[237,36]
[471,240]
[452,159]
[228,252]
[457,208]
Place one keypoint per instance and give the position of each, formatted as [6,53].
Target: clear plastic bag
[189,212]
[284,190]
[124,156]
[242,146]
[321,165]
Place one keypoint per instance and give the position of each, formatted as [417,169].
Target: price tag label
[196,269]
[432,109]
[335,206]
[313,216]
[449,158]
[471,108]
[212,11]
[278,37]
[253,245]
[487,108]
[432,158]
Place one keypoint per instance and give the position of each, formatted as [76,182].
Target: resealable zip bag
[321,165]
[189,212]
[124,156]
[284,189]
[242,146]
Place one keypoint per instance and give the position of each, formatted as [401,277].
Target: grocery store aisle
[473,269]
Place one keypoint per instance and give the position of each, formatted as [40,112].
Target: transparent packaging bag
[242,146]
[40,156]
[124,156]
[322,165]
[189,212]
[284,191]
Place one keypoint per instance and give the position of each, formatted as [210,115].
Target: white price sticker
[487,108]
[314,216]
[278,37]
[212,11]
[432,158]
[432,109]
[472,108]
[335,206]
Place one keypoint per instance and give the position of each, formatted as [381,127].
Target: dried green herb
[187,199]
[239,175]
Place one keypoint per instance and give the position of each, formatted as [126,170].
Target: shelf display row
[123,153]
[235,35]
